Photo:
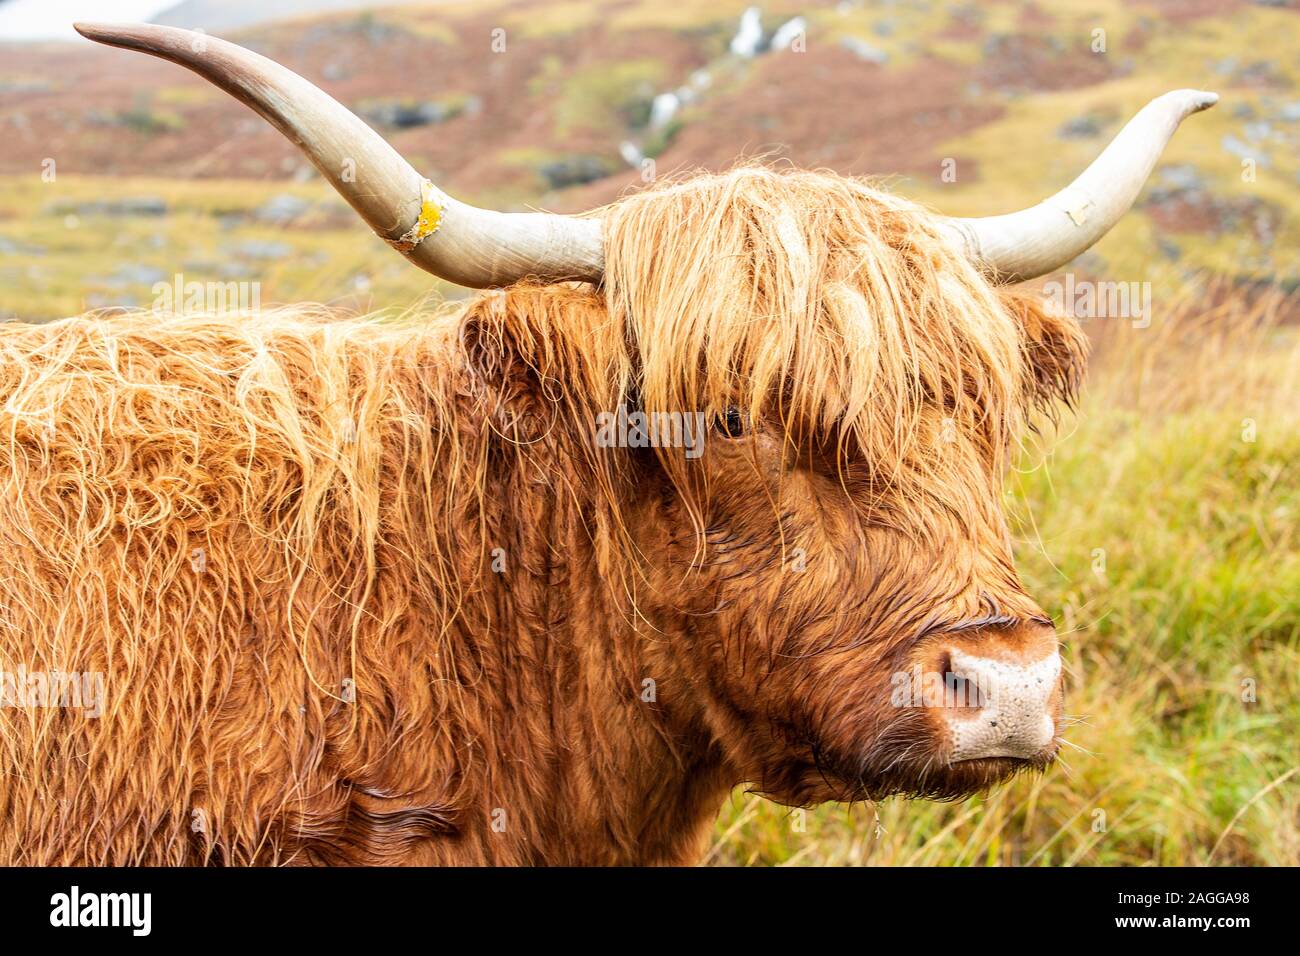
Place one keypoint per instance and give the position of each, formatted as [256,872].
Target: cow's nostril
[960,692]
[962,689]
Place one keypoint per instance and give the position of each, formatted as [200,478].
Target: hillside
[562,108]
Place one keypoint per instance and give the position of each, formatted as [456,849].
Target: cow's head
[836,554]
[827,566]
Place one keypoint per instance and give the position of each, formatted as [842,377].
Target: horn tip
[1191,101]
[96,31]
[111,33]
[149,37]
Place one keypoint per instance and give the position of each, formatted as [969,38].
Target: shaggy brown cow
[281,589]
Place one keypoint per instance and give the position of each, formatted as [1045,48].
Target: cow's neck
[595,756]
[565,733]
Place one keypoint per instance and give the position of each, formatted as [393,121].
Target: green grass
[606,97]
[1165,544]
[63,265]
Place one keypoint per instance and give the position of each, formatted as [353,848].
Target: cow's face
[847,639]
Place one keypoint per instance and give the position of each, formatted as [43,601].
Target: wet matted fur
[370,592]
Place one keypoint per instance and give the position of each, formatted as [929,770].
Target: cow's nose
[1013,705]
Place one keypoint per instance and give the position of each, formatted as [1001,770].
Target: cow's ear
[1054,347]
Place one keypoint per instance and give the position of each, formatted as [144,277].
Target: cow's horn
[1030,243]
[453,240]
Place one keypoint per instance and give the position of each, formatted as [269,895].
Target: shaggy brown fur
[370,592]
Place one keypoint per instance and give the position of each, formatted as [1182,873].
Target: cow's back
[205,548]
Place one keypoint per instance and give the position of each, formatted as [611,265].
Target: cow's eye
[731,423]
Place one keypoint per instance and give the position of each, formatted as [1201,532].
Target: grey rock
[1081,127]
[574,171]
[1257,131]
[260,249]
[225,269]
[25,86]
[1242,150]
[1235,146]
[130,206]
[281,209]
[864,50]
[13,246]
[230,270]
[136,274]
[407,114]
[1182,176]
[1262,72]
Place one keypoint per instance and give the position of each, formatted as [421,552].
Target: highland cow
[372,592]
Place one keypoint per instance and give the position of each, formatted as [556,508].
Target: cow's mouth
[1003,765]
[965,778]
[925,775]
[1039,761]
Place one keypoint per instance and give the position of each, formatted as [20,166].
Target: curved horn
[1035,241]
[453,240]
